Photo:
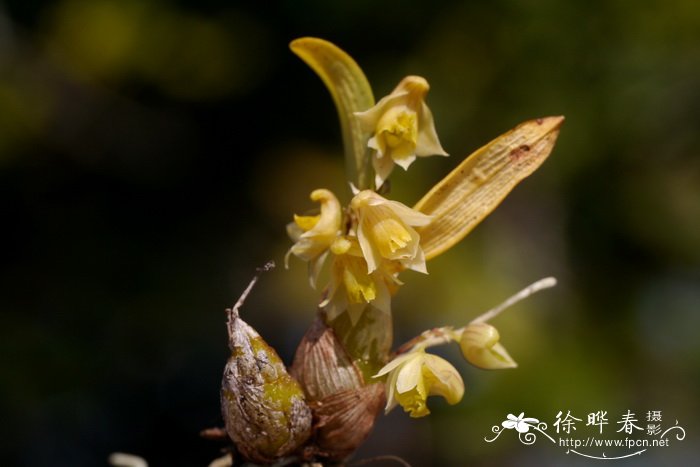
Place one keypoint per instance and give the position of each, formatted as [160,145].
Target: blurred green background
[151,153]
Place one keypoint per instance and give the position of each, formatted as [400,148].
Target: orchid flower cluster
[344,370]
[374,239]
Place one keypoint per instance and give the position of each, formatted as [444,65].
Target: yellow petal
[391,401]
[351,93]
[472,190]
[383,165]
[428,143]
[314,268]
[306,222]
[370,117]
[411,373]
[398,129]
[413,402]
[340,246]
[324,227]
[395,363]
[359,285]
[444,379]
[294,231]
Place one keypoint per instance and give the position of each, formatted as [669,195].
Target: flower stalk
[447,334]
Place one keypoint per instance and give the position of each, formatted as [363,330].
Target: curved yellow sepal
[476,186]
[351,93]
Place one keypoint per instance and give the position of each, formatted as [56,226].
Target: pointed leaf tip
[351,93]
[469,193]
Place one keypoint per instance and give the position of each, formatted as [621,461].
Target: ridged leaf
[476,186]
[351,93]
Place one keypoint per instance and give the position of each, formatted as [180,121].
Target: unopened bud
[481,348]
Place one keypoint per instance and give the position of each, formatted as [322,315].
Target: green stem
[368,342]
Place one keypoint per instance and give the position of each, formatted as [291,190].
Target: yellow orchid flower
[351,287]
[385,231]
[402,127]
[313,235]
[480,346]
[414,376]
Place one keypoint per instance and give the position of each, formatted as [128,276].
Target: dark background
[151,153]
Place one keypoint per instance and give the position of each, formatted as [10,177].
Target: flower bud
[264,408]
[480,347]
